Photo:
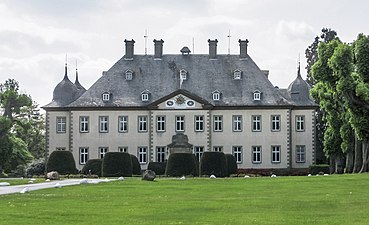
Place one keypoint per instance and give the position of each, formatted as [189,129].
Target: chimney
[158,52]
[266,73]
[243,48]
[129,48]
[213,48]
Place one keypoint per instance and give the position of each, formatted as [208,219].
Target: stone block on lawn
[148,175]
[53,175]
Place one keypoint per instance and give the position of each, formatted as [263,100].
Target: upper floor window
[218,123]
[103,124]
[237,123]
[142,123]
[257,95]
[160,123]
[61,124]
[145,95]
[199,123]
[129,74]
[106,96]
[84,124]
[300,123]
[256,123]
[276,122]
[123,123]
[180,123]
[237,74]
[216,95]
[183,74]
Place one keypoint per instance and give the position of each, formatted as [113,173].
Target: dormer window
[257,95]
[145,95]
[106,96]
[216,95]
[129,74]
[183,74]
[237,74]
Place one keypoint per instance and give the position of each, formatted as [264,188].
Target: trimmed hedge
[136,167]
[116,164]
[157,167]
[181,164]
[213,163]
[62,162]
[232,164]
[93,166]
[317,168]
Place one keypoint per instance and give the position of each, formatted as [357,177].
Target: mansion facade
[221,102]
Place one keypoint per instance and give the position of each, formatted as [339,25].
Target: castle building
[221,102]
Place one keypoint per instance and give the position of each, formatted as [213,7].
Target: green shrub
[232,164]
[93,166]
[36,168]
[62,162]
[157,167]
[117,164]
[213,163]
[181,164]
[317,168]
[136,167]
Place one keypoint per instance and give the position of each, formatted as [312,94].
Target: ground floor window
[122,149]
[218,148]
[198,150]
[83,155]
[160,154]
[103,151]
[300,153]
[237,153]
[276,154]
[142,155]
[256,154]
[60,149]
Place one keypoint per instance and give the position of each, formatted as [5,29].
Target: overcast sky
[35,35]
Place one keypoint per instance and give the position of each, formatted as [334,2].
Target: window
[198,150]
[103,151]
[83,124]
[183,74]
[256,154]
[61,124]
[122,124]
[145,97]
[142,155]
[160,123]
[129,75]
[300,153]
[103,124]
[276,123]
[83,155]
[180,123]
[142,123]
[160,154]
[122,149]
[276,154]
[106,97]
[216,95]
[60,149]
[218,123]
[256,123]
[257,95]
[237,75]
[199,123]
[218,148]
[237,123]
[300,123]
[237,153]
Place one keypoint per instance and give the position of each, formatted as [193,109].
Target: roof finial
[146,36]
[298,67]
[229,41]
[76,72]
[66,67]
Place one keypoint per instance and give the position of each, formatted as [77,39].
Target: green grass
[22,181]
[339,199]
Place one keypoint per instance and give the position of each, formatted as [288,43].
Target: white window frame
[122,124]
[276,123]
[300,153]
[300,123]
[276,154]
[256,154]
[183,74]
[256,123]
[129,75]
[237,153]
[218,148]
[160,154]
[145,97]
[237,75]
[83,155]
[123,149]
[106,97]
[142,155]
[216,96]
[160,123]
[84,124]
[61,124]
[218,123]
[103,124]
[180,123]
[257,95]
[237,123]
[199,123]
[198,151]
[142,124]
[103,151]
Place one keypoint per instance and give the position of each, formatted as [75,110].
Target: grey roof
[299,92]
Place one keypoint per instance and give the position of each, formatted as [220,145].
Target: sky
[36,35]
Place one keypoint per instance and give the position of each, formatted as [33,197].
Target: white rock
[25,190]
[32,179]
[326,174]
[246,176]
[83,181]
[120,178]
[183,178]
[47,180]
[4,184]
[105,180]
[213,176]
[273,175]
[30,182]
[309,175]
[57,185]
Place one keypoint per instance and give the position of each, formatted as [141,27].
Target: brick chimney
[158,52]
[129,48]
[213,48]
[243,48]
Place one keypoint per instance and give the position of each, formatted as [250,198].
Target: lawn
[338,199]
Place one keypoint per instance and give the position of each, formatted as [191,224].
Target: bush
[232,164]
[157,167]
[136,167]
[36,168]
[62,162]
[181,164]
[213,163]
[317,168]
[116,164]
[93,166]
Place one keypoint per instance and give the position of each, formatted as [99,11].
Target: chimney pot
[158,51]
[213,48]
[243,48]
[129,48]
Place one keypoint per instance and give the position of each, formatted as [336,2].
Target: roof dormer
[145,95]
[237,74]
[257,95]
[216,95]
[106,96]
[129,74]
